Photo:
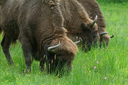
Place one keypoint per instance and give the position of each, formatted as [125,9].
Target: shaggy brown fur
[0,14]
[36,25]
[2,2]
[74,15]
[62,59]
[93,9]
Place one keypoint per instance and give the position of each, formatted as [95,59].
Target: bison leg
[27,50]
[6,41]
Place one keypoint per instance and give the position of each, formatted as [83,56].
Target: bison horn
[53,47]
[101,34]
[111,36]
[77,42]
[92,24]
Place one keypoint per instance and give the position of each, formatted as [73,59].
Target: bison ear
[84,27]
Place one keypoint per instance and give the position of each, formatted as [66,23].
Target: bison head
[60,54]
[104,39]
[89,34]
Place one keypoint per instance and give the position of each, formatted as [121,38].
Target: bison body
[38,24]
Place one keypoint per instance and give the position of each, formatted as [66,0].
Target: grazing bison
[78,23]
[78,15]
[38,24]
[92,8]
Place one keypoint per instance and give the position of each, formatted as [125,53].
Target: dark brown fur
[36,23]
[1,3]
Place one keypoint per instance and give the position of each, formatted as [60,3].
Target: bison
[92,8]
[38,24]
[74,12]
[78,23]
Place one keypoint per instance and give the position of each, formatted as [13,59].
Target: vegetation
[97,67]
[113,1]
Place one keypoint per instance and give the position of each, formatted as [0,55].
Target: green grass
[89,68]
[112,1]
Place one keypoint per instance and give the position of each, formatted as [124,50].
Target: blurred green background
[113,1]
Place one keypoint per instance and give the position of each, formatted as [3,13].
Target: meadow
[97,67]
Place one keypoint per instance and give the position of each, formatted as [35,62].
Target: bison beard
[38,25]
